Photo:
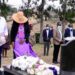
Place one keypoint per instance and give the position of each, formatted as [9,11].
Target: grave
[67,65]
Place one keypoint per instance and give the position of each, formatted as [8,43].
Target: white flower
[34,65]
[32,61]
[15,63]
[39,73]
[41,61]
[40,68]
[31,71]
[47,72]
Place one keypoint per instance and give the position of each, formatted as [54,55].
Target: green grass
[40,46]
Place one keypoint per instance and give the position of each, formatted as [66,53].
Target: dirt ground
[38,48]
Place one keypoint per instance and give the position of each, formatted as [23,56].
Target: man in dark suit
[47,34]
[69,32]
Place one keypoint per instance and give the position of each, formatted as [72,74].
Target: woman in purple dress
[20,32]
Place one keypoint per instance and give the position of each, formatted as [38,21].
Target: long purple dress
[25,48]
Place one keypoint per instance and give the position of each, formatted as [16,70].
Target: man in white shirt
[47,34]
[3,34]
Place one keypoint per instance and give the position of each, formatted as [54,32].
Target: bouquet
[35,66]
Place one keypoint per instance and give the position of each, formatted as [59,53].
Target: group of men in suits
[56,34]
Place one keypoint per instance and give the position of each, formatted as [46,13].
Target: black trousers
[46,48]
[0,54]
[56,52]
[14,56]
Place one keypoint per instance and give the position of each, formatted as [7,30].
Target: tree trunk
[63,28]
[63,17]
[0,3]
[41,28]
[41,23]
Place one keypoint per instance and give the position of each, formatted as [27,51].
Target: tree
[25,8]
[41,13]
[5,9]
[33,4]
[68,7]
[68,13]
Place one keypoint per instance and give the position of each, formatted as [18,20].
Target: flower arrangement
[35,66]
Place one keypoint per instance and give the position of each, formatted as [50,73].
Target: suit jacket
[45,38]
[14,31]
[56,37]
[67,32]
